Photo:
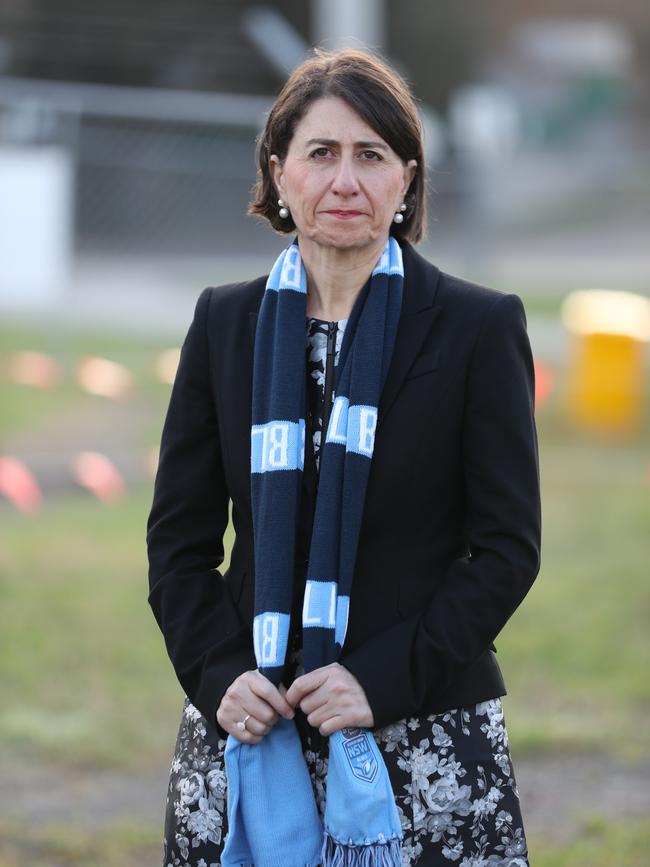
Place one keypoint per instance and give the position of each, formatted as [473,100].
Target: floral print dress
[451,772]
[316,362]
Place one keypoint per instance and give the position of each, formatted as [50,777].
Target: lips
[345,215]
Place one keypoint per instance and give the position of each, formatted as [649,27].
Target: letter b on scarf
[277,445]
[270,631]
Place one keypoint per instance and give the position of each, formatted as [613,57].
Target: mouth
[344,215]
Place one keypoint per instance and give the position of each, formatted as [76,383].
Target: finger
[245,694]
[241,701]
[335,689]
[331,725]
[326,711]
[331,718]
[258,728]
[262,687]
[305,684]
[314,700]
[245,737]
[318,717]
[259,709]
[327,703]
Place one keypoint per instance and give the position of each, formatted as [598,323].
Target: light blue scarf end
[362,825]
[273,820]
[381,854]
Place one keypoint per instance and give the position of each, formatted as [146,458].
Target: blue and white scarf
[272,814]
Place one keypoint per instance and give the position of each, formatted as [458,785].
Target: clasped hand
[331,697]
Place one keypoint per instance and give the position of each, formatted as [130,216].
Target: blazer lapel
[419,312]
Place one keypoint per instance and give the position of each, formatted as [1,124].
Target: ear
[409,173]
[276,171]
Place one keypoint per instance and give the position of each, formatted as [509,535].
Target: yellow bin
[609,335]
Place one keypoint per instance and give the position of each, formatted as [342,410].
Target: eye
[320,152]
[371,156]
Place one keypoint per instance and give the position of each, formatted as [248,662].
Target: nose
[345,181]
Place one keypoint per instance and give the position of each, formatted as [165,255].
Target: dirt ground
[558,793]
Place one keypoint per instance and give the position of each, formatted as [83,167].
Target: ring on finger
[241,725]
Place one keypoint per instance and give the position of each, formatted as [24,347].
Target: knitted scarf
[272,814]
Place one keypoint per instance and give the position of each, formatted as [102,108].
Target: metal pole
[349,23]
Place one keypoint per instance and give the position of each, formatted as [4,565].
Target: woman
[417,518]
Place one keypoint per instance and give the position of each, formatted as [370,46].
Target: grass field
[129,844]
[86,682]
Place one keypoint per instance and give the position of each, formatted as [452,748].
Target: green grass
[601,843]
[81,658]
[23,407]
[123,844]
[576,654]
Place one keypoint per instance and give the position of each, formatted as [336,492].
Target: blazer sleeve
[207,642]
[405,667]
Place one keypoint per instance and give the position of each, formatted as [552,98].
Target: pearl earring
[399,216]
[284,211]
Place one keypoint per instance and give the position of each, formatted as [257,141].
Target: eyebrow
[359,144]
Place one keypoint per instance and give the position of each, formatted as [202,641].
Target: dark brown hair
[377,93]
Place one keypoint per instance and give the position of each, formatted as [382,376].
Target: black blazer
[450,539]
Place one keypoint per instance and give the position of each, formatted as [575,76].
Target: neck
[335,277]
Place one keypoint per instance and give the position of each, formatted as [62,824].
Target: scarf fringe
[386,854]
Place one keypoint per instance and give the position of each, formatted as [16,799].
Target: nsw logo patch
[360,754]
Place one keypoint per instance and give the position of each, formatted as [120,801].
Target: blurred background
[127,139]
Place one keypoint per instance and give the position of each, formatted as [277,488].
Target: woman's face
[340,180]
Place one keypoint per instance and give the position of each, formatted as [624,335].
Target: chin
[344,238]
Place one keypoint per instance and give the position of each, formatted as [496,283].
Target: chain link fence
[153,170]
